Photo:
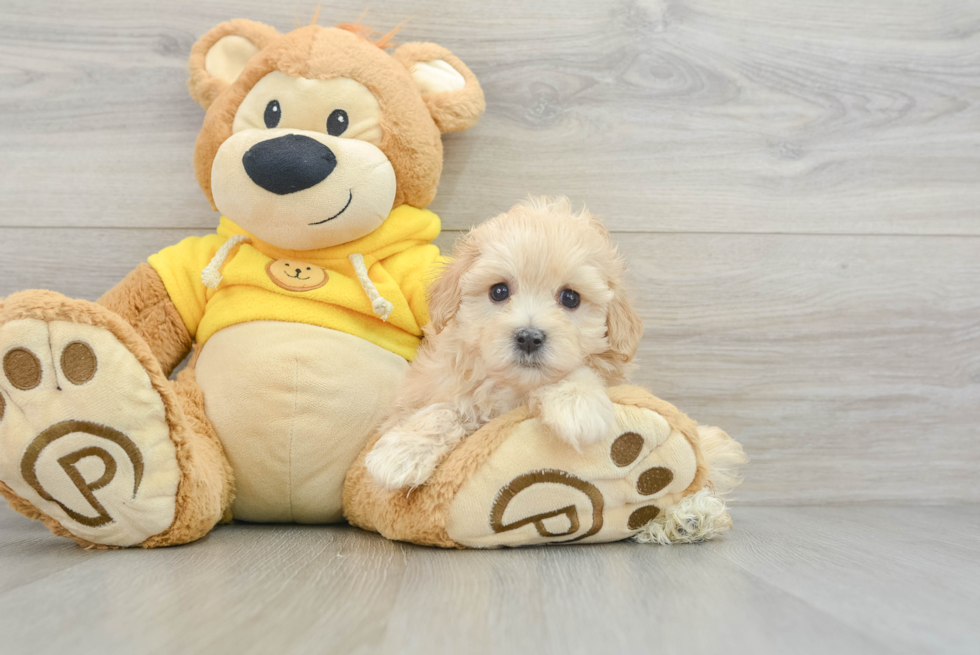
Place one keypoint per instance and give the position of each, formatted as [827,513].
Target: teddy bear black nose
[289,163]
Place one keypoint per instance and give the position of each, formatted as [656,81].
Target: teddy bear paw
[537,489]
[84,436]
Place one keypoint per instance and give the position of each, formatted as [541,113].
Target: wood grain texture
[849,367]
[756,160]
[787,580]
[662,115]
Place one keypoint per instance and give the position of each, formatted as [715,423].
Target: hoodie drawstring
[211,275]
[381,306]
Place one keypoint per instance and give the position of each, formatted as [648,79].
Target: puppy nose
[529,339]
[289,163]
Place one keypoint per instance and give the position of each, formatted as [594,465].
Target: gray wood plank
[694,115]
[801,580]
[890,573]
[847,366]
[19,538]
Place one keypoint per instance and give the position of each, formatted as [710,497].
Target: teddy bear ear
[450,89]
[219,56]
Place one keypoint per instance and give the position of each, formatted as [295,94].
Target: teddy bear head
[312,137]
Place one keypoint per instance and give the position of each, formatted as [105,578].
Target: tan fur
[411,133]
[469,371]
[639,397]
[725,459]
[202,86]
[138,310]
[420,516]
[207,484]
[452,111]
[205,487]
[142,300]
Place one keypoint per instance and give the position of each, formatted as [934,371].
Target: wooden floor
[787,580]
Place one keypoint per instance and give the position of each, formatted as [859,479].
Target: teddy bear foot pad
[513,483]
[84,436]
[537,489]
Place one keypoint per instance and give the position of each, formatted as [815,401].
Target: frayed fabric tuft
[699,517]
[702,516]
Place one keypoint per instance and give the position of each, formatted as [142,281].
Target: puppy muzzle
[529,340]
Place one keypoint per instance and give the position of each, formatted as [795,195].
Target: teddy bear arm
[142,299]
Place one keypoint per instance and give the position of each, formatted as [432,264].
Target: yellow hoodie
[255,281]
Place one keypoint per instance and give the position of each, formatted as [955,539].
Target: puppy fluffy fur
[470,368]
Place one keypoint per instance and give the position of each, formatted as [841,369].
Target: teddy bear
[300,315]
[320,149]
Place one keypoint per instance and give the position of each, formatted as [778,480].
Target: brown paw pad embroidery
[22,368]
[623,452]
[78,362]
[68,464]
[579,520]
[642,516]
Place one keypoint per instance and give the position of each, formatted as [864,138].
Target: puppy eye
[273,113]
[499,292]
[337,122]
[570,299]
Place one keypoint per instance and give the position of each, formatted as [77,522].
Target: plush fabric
[297,343]
[452,110]
[397,255]
[203,85]
[141,299]
[411,133]
[512,483]
[199,482]
[293,405]
[310,335]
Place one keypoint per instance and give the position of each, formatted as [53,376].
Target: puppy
[531,311]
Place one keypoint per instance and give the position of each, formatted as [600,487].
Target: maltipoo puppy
[530,311]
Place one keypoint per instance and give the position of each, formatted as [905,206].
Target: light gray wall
[796,185]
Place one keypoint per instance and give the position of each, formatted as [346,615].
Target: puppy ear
[219,56]
[624,327]
[446,291]
[450,90]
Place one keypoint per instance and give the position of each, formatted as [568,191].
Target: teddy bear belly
[293,405]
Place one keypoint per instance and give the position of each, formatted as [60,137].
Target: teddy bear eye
[337,122]
[273,112]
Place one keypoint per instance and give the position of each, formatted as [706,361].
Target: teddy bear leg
[656,476]
[94,440]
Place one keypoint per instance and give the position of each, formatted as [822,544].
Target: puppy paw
[399,460]
[577,410]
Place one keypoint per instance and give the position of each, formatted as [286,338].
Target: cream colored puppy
[530,311]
